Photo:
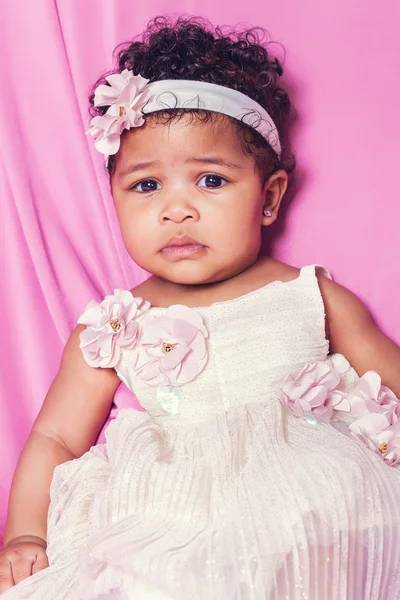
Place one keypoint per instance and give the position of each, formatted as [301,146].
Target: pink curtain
[60,240]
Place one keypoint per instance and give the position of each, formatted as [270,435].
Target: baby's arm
[72,414]
[353,333]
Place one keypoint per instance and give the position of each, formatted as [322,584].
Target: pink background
[61,244]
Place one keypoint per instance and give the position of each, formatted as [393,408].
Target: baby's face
[189,201]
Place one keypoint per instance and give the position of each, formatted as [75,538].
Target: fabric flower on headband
[126,95]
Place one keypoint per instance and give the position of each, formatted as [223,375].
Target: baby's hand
[20,560]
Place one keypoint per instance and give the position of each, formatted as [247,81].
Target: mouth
[184,246]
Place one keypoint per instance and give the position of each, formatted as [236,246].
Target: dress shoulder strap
[313,271]
[313,305]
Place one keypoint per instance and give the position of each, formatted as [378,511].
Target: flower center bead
[168,347]
[122,111]
[383,447]
[115,324]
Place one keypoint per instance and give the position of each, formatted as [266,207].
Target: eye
[213,181]
[148,185]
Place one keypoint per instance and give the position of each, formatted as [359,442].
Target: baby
[265,465]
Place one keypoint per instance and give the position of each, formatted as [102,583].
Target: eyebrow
[138,167]
[214,160]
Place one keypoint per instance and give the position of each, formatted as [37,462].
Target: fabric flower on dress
[172,348]
[381,433]
[111,325]
[313,391]
[370,396]
[126,95]
[378,409]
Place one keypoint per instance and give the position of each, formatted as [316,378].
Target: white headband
[131,97]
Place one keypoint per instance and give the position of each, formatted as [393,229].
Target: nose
[178,210]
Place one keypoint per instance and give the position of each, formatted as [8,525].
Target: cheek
[137,237]
[239,230]
[136,242]
[136,227]
[240,218]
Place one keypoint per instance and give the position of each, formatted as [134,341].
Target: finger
[41,562]
[6,578]
[21,568]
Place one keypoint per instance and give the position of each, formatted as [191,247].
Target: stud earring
[267,213]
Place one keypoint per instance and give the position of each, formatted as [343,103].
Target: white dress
[216,492]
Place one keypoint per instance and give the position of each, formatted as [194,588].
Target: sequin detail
[115,324]
[168,347]
[168,399]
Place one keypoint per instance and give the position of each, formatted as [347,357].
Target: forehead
[175,140]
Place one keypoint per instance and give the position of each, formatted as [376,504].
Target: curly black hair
[191,48]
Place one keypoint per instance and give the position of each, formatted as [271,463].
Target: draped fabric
[60,241]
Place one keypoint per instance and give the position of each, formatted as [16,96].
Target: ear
[273,192]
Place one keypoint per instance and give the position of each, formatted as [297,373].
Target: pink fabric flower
[313,391]
[370,396]
[111,325]
[379,433]
[378,427]
[126,95]
[172,348]
[393,412]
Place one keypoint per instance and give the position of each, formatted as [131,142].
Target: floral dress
[262,468]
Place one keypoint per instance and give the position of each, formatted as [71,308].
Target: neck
[162,291]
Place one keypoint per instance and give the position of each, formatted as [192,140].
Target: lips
[182,241]
[183,246]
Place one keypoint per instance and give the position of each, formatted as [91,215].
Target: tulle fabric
[255,516]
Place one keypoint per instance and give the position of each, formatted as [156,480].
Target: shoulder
[337,298]
[349,321]
[354,334]
[341,304]
[346,315]
[74,360]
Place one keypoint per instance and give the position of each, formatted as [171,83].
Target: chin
[186,279]
[190,275]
